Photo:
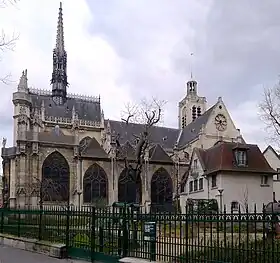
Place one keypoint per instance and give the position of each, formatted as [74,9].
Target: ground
[13,255]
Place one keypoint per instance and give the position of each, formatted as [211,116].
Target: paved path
[13,255]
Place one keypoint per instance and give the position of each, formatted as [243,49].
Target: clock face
[220,122]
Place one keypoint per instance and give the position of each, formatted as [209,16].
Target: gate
[99,234]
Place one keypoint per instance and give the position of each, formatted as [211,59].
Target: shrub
[260,251]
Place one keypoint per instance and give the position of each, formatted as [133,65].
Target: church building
[63,146]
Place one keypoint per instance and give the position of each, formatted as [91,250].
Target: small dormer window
[241,157]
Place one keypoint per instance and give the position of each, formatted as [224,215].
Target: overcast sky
[130,49]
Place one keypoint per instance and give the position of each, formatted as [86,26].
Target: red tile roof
[221,158]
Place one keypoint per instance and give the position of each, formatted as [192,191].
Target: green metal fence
[111,233]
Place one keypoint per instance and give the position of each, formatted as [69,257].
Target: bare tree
[148,113]
[270,112]
[7,42]
[245,200]
[46,190]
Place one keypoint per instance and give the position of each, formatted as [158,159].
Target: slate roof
[127,151]
[164,136]
[94,150]
[191,131]
[52,137]
[86,110]
[221,158]
[8,152]
[157,154]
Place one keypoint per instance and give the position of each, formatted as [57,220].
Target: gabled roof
[269,147]
[94,149]
[191,131]
[220,157]
[157,154]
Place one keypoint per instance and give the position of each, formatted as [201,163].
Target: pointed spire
[59,75]
[60,33]
[23,86]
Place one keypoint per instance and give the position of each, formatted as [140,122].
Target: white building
[273,159]
[233,173]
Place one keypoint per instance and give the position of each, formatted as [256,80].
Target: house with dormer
[273,159]
[235,174]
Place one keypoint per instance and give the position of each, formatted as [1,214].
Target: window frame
[241,157]
[212,181]
[195,185]
[264,180]
[190,186]
[200,184]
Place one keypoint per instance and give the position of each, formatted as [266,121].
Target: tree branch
[149,114]
[270,112]
[7,43]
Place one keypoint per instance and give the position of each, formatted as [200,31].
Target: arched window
[161,191]
[129,189]
[55,178]
[95,185]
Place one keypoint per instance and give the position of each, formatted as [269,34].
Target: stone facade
[61,137]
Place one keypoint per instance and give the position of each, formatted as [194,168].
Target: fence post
[125,233]
[92,238]
[67,228]
[2,220]
[18,223]
[40,219]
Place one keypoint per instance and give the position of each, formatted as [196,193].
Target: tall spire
[60,35]
[59,75]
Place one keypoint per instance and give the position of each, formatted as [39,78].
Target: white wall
[274,162]
[243,188]
[246,188]
[208,192]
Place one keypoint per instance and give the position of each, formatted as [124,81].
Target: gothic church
[63,147]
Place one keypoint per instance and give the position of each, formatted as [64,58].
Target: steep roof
[269,147]
[191,131]
[85,109]
[164,136]
[52,137]
[157,154]
[221,158]
[127,150]
[93,149]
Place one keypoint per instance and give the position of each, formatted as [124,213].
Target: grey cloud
[241,47]
[236,45]
[143,33]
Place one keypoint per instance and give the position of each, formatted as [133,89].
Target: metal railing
[197,236]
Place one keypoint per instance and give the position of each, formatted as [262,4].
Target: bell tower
[191,106]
